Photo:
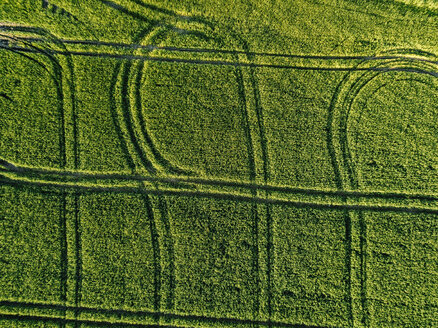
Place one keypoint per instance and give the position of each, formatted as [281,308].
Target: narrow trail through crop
[228,63]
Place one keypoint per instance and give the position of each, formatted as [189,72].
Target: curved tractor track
[347,173]
[61,71]
[132,122]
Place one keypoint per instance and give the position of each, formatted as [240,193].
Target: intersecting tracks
[345,168]
[133,315]
[67,118]
[186,186]
[272,56]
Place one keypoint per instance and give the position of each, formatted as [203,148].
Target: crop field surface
[218,164]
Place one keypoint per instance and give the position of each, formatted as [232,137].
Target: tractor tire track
[63,248]
[78,256]
[57,69]
[339,185]
[75,164]
[347,216]
[352,180]
[266,178]
[150,47]
[144,313]
[28,57]
[353,184]
[186,182]
[145,198]
[138,113]
[228,63]
[76,198]
[169,245]
[252,177]
[126,107]
[156,255]
[217,195]
[57,77]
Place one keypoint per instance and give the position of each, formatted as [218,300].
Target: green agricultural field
[219,163]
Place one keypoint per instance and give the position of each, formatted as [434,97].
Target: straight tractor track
[146,313]
[252,176]
[266,177]
[228,63]
[151,47]
[125,110]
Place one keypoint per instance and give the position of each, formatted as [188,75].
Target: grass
[218,164]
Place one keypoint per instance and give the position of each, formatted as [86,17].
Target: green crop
[218,163]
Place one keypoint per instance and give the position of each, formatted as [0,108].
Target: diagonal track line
[219,195]
[177,181]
